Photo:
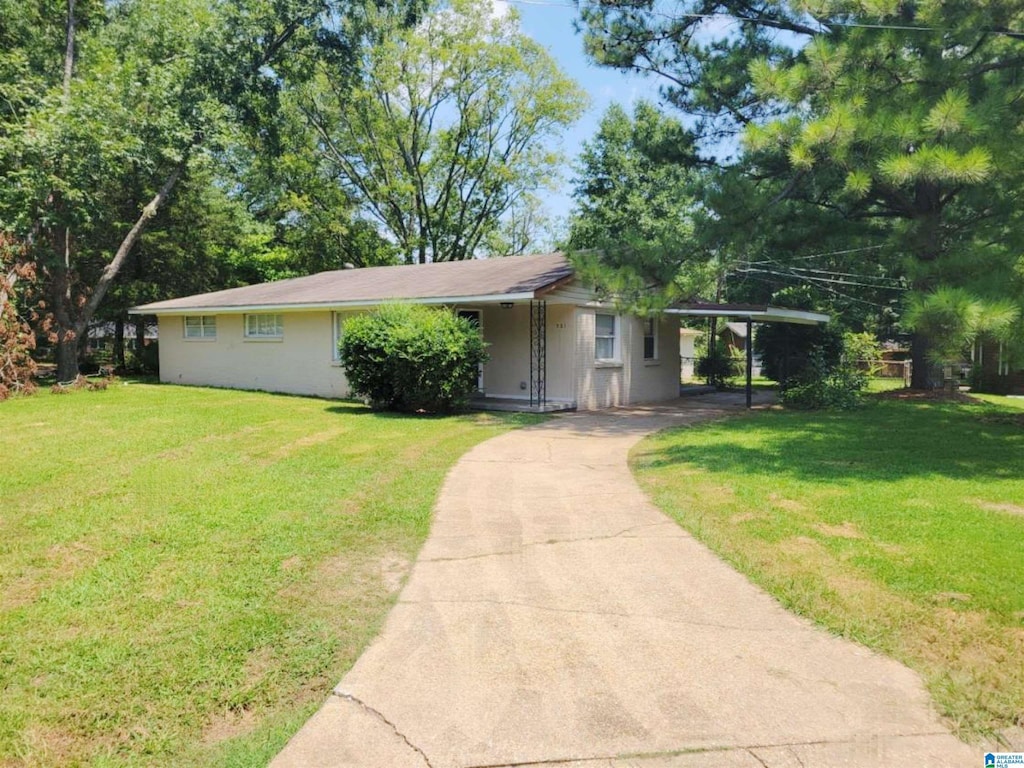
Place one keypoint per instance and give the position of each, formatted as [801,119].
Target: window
[336,337]
[200,327]
[264,326]
[606,337]
[650,338]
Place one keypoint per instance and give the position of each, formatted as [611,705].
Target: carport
[750,313]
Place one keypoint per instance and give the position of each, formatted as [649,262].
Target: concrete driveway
[556,617]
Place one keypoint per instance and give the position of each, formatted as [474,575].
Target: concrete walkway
[556,617]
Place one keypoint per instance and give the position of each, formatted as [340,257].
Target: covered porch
[531,346]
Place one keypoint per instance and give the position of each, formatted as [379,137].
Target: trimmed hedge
[408,357]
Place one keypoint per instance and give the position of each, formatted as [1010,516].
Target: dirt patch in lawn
[1008,419]
[393,569]
[846,530]
[934,395]
[228,726]
[992,506]
[306,441]
[790,505]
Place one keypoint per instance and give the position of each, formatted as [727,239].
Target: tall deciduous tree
[899,115]
[119,103]
[446,131]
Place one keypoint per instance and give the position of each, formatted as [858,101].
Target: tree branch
[111,270]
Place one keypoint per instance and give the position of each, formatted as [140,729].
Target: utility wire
[881,280]
[822,280]
[828,253]
[827,288]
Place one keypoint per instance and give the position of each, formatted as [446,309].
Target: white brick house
[552,342]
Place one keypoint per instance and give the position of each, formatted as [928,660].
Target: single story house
[688,353]
[994,368]
[101,335]
[734,336]
[553,342]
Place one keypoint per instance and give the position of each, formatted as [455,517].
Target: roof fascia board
[766,315]
[796,316]
[716,312]
[328,305]
[561,282]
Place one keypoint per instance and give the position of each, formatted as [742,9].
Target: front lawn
[900,525]
[185,572]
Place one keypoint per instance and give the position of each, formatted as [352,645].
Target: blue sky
[551,25]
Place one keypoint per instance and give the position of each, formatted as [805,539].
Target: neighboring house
[688,353]
[552,341]
[101,336]
[995,368]
[734,336]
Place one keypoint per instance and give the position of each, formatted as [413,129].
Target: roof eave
[497,298]
[766,314]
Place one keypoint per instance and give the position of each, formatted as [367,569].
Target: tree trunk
[69,52]
[67,332]
[111,270]
[72,322]
[66,355]
[140,338]
[926,249]
[921,369]
[117,359]
[66,328]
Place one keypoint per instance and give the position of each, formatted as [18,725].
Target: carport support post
[750,361]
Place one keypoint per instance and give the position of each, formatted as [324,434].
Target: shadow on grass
[883,441]
[358,408]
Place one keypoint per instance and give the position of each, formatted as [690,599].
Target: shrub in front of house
[407,357]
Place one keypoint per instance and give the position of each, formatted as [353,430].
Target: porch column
[538,353]
[750,361]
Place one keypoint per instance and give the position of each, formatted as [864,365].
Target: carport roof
[758,313]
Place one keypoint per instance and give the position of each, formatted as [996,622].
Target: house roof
[739,330]
[482,280]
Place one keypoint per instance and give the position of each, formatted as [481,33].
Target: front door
[474,316]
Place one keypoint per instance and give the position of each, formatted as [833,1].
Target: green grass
[884,384]
[185,572]
[900,525]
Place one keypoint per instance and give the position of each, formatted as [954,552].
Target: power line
[827,288]
[882,279]
[823,254]
[824,280]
